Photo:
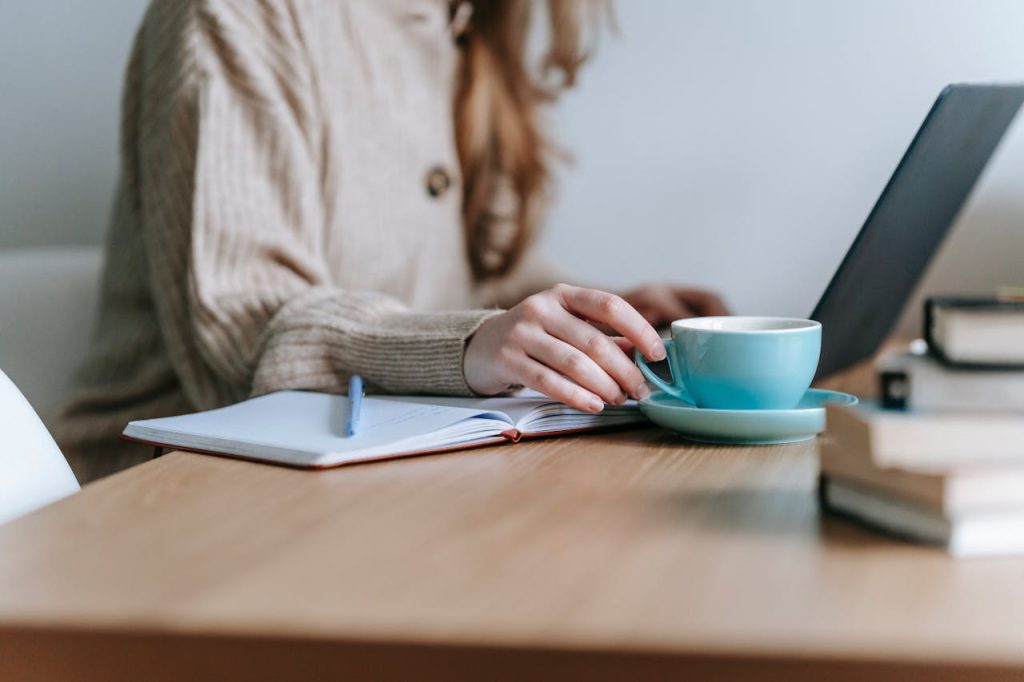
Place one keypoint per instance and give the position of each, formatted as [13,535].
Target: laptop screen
[912,216]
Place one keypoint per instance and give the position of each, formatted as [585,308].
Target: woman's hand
[548,343]
[663,303]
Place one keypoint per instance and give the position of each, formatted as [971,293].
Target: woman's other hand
[549,343]
[660,304]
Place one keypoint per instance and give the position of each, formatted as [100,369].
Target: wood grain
[634,545]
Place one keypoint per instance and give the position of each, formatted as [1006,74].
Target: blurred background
[737,144]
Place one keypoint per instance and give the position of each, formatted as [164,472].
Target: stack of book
[940,457]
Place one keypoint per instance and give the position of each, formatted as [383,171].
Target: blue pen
[355,398]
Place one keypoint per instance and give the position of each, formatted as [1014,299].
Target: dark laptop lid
[910,219]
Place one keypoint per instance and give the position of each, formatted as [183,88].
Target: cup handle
[677,392]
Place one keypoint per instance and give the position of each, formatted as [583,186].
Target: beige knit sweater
[273,227]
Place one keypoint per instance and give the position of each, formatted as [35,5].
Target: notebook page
[304,428]
[534,412]
[514,407]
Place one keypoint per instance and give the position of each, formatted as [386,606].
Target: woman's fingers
[601,349]
[545,380]
[547,342]
[577,365]
[612,310]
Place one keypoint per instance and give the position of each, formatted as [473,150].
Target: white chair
[47,306]
[33,472]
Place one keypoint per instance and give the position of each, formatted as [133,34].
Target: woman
[312,188]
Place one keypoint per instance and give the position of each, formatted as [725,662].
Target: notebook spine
[512,435]
[929,324]
[931,304]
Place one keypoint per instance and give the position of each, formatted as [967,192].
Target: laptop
[912,216]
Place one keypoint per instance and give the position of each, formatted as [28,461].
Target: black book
[975,331]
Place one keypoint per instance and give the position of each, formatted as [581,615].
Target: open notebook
[303,429]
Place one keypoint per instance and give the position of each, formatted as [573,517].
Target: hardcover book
[976,331]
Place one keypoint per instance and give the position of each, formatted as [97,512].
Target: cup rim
[800,324]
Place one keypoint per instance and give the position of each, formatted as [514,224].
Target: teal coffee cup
[740,363]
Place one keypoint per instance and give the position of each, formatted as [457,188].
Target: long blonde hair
[501,146]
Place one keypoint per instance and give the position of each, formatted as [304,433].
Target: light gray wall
[736,143]
[61,63]
[741,144]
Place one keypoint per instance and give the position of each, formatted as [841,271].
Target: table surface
[631,542]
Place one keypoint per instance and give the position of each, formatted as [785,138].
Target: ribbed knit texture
[272,227]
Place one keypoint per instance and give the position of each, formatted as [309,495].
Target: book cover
[972,535]
[975,331]
[914,381]
[951,491]
[897,438]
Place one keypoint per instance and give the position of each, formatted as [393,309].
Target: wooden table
[615,556]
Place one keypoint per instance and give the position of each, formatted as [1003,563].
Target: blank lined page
[303,428]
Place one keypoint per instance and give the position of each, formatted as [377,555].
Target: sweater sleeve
[234,228]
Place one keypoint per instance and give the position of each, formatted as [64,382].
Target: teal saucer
[744,427]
